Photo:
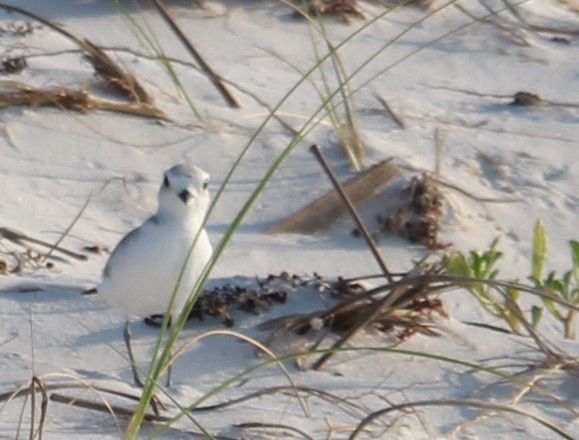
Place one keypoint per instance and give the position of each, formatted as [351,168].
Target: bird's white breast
[144,271]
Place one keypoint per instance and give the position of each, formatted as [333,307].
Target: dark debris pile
[351,303]
[418,217]
[256,298]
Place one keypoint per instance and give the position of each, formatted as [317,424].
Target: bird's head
[184,191]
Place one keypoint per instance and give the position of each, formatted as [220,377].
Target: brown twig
[43,405]
[98,406]
[390,112]
[208,71]
[317,152]
[18,238]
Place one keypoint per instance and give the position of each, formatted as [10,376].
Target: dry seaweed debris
[411,313]
[403,307]
[219,302]
[11,65]
[418,217]
[343,9]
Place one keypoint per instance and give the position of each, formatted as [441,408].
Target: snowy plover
[145,267]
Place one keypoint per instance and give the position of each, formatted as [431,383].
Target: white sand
[52,160]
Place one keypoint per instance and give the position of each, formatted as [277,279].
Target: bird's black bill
[185,196]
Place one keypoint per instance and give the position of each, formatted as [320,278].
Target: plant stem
[317,152]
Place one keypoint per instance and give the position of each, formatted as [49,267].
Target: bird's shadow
[208,355]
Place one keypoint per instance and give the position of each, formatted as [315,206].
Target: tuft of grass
[341,112]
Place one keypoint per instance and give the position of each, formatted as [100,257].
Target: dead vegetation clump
[12,65]
[419,216]
[66,98]
[401,308]
[28,255]
[18,28]
[351,303]
[342,9]
[220,302]
[110,73]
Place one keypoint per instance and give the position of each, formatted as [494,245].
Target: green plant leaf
[536,315]
[539,250]
[574,245]
[458,265]
[574,252]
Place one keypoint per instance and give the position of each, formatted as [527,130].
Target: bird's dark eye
[205,185]
[166,182]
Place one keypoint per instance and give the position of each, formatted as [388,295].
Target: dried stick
[390,112]
[98,406]
[382,304]
[213,77]
[317,152]
[18,238]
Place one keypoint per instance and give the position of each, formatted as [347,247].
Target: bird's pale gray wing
[124,245]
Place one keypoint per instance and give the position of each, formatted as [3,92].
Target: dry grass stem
[113,74]
[497,407]
[36,382]
[397,119]
[205,68]
[317,152]
[255,343]
[71,99]
[537,28]
[118,411]
[19,238]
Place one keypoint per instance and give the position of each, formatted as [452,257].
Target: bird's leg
[127,335]
[169,375]
[170,366]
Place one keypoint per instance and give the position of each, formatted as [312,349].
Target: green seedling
[565,287]
[482,266]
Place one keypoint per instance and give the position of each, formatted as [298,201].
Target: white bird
[143,271]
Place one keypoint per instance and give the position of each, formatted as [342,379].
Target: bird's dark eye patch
[166,183]
[205,185]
